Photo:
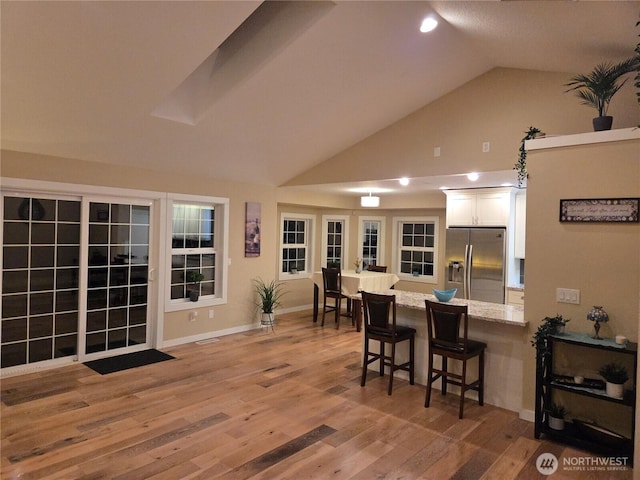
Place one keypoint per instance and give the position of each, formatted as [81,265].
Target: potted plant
[521,165]
[194,278]
[556,416]
[268,298]
[597,88]
[614,374]
[549,326]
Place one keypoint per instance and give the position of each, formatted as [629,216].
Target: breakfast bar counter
[501,327]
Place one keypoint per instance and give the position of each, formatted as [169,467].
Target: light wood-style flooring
[259,405]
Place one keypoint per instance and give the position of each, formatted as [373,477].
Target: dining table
[354,282]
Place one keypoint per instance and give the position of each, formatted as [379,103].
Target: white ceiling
[81,79]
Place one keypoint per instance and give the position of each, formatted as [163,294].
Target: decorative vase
[614,390]
[597,315]
[602,123]
[556,423]
[194,295]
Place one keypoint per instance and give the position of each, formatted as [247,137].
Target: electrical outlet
[436,151]
[210,313]
[486,146]
[568,295]
[193,316]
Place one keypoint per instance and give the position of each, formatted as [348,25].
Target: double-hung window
[416,248]
[335,230]
[197,253]
[296,245]
[371,234]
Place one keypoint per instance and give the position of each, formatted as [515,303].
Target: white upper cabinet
[489,207]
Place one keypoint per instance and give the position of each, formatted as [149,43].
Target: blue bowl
[445,295]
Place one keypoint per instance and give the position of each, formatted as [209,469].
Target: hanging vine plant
[521,165]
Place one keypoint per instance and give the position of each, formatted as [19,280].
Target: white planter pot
[556,423]
[268,319]
[615,390]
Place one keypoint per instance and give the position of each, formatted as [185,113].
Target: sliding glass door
[118,276]
[75,278]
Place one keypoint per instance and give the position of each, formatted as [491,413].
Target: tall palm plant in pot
[597,88]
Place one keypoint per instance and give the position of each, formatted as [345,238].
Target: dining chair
[447,327]
[332,283]
[377,268]
[380,324]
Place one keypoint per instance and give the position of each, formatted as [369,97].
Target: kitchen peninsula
[499,325]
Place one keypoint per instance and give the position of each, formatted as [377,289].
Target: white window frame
[345,261]
[220,248]
[310,222]
[397,247]
[381,236]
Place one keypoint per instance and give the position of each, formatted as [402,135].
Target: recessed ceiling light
[404,181]
[428,24]
[473,176]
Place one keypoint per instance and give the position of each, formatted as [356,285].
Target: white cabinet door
[485,208]
[461,209]
[520,224]
[492,209]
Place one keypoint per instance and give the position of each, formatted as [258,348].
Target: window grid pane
[334,242]
[193,251]
[370,243]
[294,252]
[40,279]
[417,251]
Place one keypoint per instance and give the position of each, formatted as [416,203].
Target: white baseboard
[205,336]
[528,415]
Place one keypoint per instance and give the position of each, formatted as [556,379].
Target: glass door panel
[118,276]
[40,252]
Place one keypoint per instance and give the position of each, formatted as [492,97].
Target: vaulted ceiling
[170,86]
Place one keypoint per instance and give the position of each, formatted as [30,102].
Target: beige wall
[602,260]
[238,311]
[497,107]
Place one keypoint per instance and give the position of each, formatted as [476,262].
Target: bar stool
[443,324]
[380,324]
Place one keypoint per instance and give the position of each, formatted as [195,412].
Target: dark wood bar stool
[445,339]
[332,283]
[380,324]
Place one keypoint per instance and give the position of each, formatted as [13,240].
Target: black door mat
[127,361]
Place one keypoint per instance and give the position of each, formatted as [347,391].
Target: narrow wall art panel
[253,219]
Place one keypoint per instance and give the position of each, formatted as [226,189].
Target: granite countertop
[489,312]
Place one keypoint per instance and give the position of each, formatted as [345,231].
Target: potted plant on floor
[194,278]
[597,88]
[614,374]
[269,295]
[556,416]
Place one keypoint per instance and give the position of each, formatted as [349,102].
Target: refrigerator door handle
[469,268]
[465,274]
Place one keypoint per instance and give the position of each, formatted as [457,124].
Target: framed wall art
[618,210]
[253,219]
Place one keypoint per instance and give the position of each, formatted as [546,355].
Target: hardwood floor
[262,406]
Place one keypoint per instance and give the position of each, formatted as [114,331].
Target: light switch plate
[568,295]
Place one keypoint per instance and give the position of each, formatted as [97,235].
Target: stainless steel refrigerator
[475,263]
